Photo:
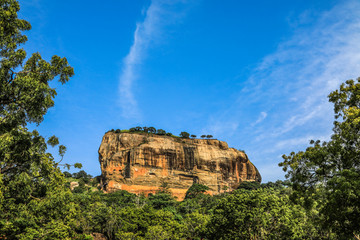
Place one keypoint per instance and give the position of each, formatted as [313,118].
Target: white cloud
[291,85]
[270,172]
[159,14]
[261,118]
[296,142]
[312,64]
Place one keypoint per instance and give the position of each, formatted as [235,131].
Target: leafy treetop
[328,172]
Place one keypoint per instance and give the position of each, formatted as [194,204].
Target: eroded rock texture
[139,163]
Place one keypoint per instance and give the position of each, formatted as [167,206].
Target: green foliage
[162,200]
[195,190]
[152,130]
[33,200]
[67,174]
[258,214]
[327,173]
[196,225]
[209,136]
[53,141]
[249,185]
[278,185]
[184,135]
[120,198]
[160,132]
[78,165]
[82,175]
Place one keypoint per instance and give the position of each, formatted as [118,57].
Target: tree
[193,136]
[67,174]
[138,129]
[152,130]
[249,185]
[196,225]
[196,190]
[160,132]
[82,175]
[203,136]
[184,135]
[329,172]
[259,214]
[169,134]
[31,183]
[209,136]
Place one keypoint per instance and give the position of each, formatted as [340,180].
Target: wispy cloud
[304,70]
[291,85]
[261,118]
[158,15]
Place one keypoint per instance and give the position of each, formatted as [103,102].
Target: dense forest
[320,199]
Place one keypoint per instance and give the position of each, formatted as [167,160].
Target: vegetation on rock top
[160,132]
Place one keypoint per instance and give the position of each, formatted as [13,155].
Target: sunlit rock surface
[140,162]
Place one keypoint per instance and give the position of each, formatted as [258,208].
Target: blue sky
[253,73]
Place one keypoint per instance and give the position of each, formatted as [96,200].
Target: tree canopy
[328,173]
[31,184]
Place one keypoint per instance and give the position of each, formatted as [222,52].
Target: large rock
[141,162]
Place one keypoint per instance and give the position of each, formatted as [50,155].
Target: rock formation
[141,162]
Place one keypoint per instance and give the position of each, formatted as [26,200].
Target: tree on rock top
[184,135]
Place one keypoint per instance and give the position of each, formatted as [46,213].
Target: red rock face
[140,163]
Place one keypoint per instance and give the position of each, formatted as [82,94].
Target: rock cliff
[141,162]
